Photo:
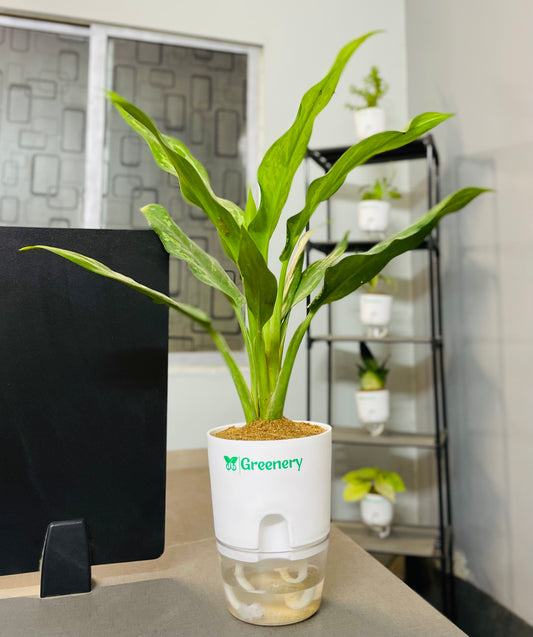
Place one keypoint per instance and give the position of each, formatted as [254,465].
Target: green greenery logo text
[247,464]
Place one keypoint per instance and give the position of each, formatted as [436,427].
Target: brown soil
[280,429]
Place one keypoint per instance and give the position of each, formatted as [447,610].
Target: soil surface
[280,429]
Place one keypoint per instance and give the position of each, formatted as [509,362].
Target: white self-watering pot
[373,215]
[377,513]
[369,121]
[271,509]
[373,409]
[375,313]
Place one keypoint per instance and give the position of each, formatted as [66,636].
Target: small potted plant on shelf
[369,117]
[373,209]
[375,306]
[372,398]
[270,476]
[376,490]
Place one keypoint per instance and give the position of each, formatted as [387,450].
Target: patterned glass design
[198,96]
[43,97]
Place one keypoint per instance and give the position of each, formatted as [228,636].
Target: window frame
[100,36]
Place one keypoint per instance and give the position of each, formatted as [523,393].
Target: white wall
[299,42]
[476,59]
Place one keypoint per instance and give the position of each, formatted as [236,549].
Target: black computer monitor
[83,383]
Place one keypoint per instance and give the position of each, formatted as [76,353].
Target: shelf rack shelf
[422,541]
[347,338]
[362,246]
[418,149]
[405,539]
[389,438]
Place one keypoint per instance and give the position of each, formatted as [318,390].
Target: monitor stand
[65,565]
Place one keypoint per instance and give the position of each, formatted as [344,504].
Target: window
[44,76]
[68,159]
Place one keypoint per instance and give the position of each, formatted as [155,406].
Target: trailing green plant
[372,480]
[374,88]
[264,308]
[382,189]
[372,375]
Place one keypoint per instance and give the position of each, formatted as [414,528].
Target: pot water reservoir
[271,509]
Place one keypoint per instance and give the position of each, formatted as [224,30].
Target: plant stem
[255,363]
[274,344]
[262,373]
[277,400]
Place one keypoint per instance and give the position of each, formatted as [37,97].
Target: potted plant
[272,512]
[369,117]
[376,490]
[374,207]
[375,306]
[372,399]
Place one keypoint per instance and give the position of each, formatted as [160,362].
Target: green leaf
[314,274]
[291,286]
[281,161]
[365,473]
[158,297]
[204,267]
[227,459]
[355,491]
[260,285]
[181,150]
[250,210]
[384,488]
[234,459]
[294,273]
[371,381]
[355,270]
[324,187]
[367,356]
[373,375]
[394,480]
[175,158]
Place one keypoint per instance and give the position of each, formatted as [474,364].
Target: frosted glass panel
[198,96]
[43,89]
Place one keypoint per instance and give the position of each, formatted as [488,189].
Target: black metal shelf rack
[434,542]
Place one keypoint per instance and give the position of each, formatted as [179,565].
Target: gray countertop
[181,593]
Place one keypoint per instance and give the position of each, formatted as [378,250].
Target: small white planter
[375,313]
[271,509]
[369,121]
[373,215]
[373,409]
[377,513]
